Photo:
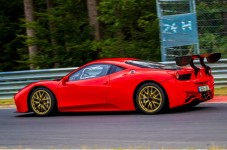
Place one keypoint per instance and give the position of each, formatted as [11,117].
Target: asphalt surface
[203,127]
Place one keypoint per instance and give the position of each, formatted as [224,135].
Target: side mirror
[65,79]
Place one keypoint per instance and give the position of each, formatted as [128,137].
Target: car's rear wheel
[42,101]
[150,98]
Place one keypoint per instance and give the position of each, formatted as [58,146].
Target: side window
[115,69]
[91,71]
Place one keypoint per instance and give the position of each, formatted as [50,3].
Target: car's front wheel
[42,101]
[150,98]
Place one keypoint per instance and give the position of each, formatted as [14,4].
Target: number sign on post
[178,27]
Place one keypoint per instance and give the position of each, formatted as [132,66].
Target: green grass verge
[221,91]
[7,102]
[218,92]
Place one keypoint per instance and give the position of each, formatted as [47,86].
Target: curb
[7,106]
[218,99]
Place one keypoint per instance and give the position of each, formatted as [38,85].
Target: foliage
[64,37]
[130,29]
[210,42]
[67,42]
[9,28]
[212,26]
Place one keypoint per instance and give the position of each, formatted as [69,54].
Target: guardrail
[11,82]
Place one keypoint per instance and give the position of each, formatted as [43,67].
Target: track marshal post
[178,28]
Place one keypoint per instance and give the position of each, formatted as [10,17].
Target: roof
[114,59]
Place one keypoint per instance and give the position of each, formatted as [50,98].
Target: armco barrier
[11,82]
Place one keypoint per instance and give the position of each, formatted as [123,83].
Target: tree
[10,43]
[130,29]
[29,17]
[67,33]
[93,18]
[52,29]
[63,35]
[212,23]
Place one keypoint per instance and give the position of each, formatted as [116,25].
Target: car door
[87,86]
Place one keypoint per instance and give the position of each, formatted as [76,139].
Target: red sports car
[122,84]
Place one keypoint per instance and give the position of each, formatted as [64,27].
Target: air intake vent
[185,77]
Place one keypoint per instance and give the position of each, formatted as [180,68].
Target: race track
[203,127]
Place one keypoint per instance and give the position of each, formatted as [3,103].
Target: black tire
[150,99]
[42,102]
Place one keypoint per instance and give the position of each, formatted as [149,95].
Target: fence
[11,82]
[211,22]
[212,26]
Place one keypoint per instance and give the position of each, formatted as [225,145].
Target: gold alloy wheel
[41,102]
[150,99]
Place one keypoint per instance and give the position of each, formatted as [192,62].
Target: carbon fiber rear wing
[189,59]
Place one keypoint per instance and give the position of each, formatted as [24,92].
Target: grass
[221,91]
[218,92]
[6,102]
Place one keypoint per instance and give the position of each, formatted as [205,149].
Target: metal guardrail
[11,82]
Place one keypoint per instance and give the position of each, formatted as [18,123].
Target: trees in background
[10,27]
[72,32]
[67,33]
[29,19]
[212,23]
[130,29]
[93,18]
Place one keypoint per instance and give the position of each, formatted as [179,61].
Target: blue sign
[179,30]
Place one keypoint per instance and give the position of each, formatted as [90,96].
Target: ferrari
[122,84]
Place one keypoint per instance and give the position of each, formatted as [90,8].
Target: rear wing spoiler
[188,59]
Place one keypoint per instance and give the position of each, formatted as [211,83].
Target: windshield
[150,64]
